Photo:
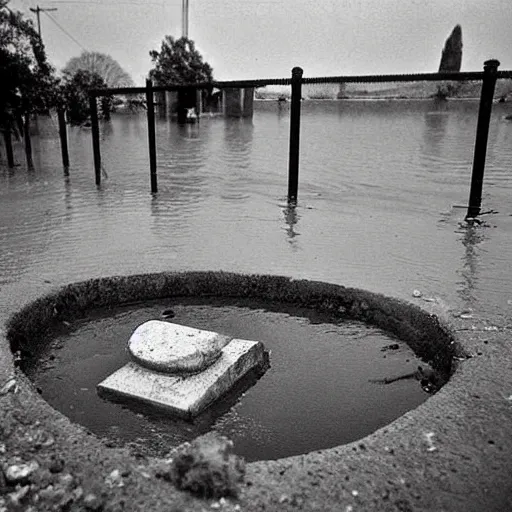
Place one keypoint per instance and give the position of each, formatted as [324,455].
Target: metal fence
[487,77]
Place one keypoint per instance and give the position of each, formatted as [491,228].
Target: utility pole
[38,11]
[184,18]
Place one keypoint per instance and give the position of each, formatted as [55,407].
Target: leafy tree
[101,64]
[75,96]
[178,62]
[28,82]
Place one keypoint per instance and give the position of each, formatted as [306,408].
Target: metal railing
[488,77]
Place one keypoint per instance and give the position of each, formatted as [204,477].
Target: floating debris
[168,313]
[416,293]
[393,346]
[465,314]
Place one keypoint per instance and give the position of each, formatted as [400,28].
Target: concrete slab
[186,395]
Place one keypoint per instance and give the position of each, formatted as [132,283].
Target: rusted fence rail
[488,77]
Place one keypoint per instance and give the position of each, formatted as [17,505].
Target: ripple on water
[376,179]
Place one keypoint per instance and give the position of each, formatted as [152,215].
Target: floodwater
[319,391]
[379,189]
[379,182]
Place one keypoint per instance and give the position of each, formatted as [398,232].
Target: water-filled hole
[317,393]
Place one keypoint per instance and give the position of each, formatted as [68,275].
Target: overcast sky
[265,39]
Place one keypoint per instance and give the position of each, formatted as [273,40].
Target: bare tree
[101,64]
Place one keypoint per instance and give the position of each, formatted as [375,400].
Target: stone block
[173,348]
[186,395]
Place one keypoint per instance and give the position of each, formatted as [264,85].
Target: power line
[65,31]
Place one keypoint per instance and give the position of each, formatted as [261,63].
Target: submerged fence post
[27,141]
[63,134]
[95,129]
[293,161]
[482,133]
[8,147]
[151,136]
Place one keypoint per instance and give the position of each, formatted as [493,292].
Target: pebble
[66,480]
[20,472]
[78,493]
[9,387]
[18,495]
[92,502]
[114,479]
[56,465]
[43,439]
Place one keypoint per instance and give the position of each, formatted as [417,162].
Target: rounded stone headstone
[174,348]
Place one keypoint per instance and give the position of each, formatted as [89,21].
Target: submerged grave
[315,367]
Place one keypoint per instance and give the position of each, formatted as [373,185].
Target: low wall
[422,332]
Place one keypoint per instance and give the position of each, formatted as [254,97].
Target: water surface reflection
[378,181]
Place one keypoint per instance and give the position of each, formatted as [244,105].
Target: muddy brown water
[316,394]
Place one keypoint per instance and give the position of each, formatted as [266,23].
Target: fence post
[482,133]
[27,141]
[293,161]
[151,136]
[95,129]
[8,147]
[63,134]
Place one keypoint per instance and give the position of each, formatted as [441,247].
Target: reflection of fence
[488,77]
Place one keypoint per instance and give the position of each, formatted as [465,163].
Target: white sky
[265,39]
